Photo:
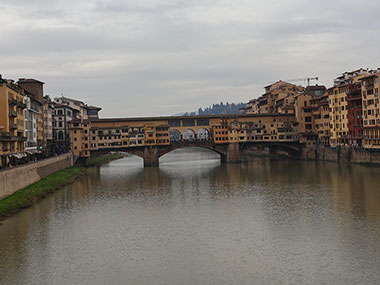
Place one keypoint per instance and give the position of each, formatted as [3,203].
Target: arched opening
[203,135]
[60,136]
[175,136]
[189,135]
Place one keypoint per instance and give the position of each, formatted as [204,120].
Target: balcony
[12,101]
[4,136]
[285,130]
[21,105]
[7,137]
[12,126]
[12,114]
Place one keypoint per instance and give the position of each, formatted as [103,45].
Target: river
[195,221]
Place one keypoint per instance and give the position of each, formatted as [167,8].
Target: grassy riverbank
[29,195]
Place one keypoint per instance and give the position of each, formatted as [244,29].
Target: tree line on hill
[218,109]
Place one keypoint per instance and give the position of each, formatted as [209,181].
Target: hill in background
[217,109]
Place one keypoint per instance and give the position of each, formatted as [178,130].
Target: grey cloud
[156,57]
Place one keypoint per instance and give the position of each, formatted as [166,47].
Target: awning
[19,155]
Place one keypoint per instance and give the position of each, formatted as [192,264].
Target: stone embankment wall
[340,154]
[17,178]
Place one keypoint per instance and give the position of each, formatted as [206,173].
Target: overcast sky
[161,57]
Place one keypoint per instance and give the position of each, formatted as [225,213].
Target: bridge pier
[233,153]
[151,156]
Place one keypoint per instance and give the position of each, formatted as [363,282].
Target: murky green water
[195,221]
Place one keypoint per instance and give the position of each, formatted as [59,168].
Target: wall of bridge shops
[12,180]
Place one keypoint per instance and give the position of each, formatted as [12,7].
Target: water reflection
[194,220]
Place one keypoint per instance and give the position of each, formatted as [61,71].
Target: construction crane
[308,79]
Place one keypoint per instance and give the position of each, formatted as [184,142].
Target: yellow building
[220,132]
[237,132]
[371,109]
[321,118]
[338,115]
[162,135]
[303,113]
[12,129]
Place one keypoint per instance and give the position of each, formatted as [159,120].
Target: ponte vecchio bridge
[152,137]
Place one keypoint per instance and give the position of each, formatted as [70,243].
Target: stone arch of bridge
[219,151]
[133,151]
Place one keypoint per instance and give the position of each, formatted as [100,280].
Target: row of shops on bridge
[104,134]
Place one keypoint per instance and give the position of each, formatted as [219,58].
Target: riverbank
[33,193]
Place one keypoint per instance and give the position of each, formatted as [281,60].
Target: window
[188,123]
[174,123]
[203,122]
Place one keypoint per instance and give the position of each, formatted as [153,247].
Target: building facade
[371,109]
[12,121]
[32,111]
[355,115]
[34,90]
[66,110]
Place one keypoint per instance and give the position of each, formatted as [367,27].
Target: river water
[196,221]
